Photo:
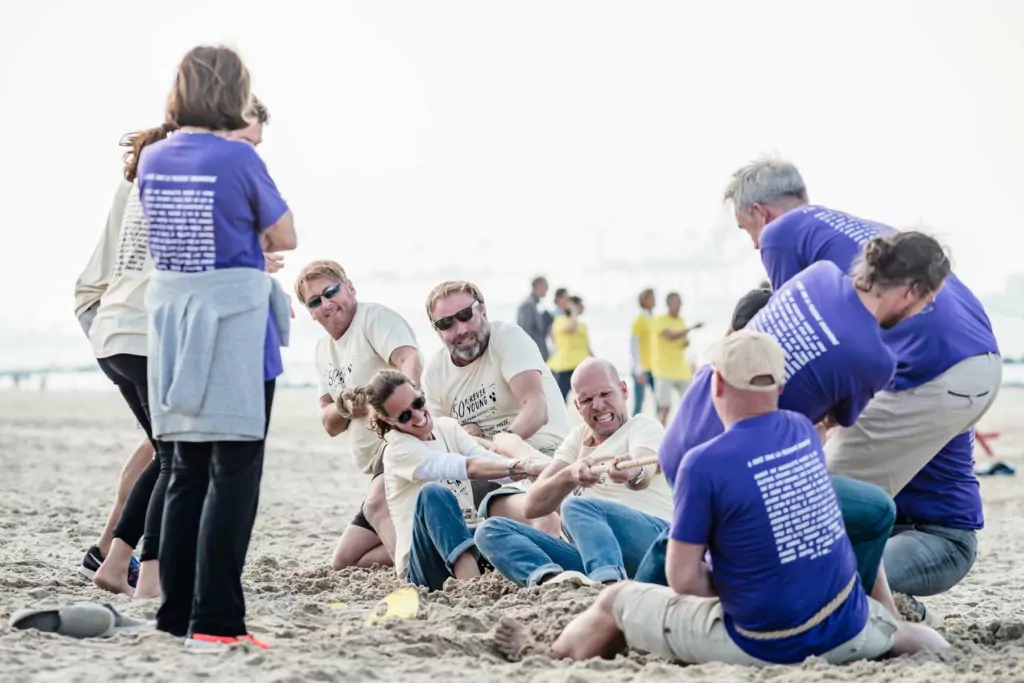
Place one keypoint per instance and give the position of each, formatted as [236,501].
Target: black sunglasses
[463,316]
[329,293]
[406,414]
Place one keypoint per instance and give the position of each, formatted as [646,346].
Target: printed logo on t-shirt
[480,405]
[800,501]
[860,231]
[338,378]
[786,319]
[133,246]
[181,232]
[463,491]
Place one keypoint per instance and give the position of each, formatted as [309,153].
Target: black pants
[128,372]
[208,516]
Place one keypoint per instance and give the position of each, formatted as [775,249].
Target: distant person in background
[217,322]
[641,351]
[671,369]
[531,317]
[572,344]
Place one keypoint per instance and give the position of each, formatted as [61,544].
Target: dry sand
[60,455]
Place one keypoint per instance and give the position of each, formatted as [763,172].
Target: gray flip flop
[84,620]
[123,624]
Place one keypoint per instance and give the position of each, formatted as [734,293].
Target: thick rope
[819,617]
[598,469]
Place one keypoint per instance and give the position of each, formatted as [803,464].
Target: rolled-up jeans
[609,542]
[868,514]
[439,537]
[928,559]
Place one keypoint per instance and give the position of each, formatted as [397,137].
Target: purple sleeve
[849,409]
[691,511]
[781,265]
[267,204]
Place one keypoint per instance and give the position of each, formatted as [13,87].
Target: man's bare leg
[375,508]
[466,567]
[131,470]
[360,547]
[591,634]
[881,593]
[513,507]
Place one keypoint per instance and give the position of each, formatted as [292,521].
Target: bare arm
[686,571]
[280,236]
[550,489]
[330,418]
[533,405]
[573,323]
[406,359]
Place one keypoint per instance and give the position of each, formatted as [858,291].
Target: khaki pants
[900,431]
[692,630]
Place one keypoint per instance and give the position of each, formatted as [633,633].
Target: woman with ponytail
[435,476]
[120,341]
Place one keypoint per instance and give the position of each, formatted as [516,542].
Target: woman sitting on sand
[431,467]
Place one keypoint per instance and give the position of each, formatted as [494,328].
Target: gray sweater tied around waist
[207,333]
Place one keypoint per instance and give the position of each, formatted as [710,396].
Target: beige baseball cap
[746,355]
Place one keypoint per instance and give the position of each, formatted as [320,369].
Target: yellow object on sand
[403,603]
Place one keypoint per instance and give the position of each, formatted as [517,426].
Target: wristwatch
[635,481]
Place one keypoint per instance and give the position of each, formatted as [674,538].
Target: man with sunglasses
[914,438]
[361,339]
[490,378]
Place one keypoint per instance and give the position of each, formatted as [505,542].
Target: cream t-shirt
[640,431]
[352,361]
[121,323]
[402,455]
[95,277]
[480,392]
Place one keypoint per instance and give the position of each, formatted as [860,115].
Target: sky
[588,141]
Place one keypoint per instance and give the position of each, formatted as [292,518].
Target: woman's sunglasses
[329,293]
[406,414]
[463,316]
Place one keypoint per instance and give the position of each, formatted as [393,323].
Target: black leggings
[208,516]
[128,372]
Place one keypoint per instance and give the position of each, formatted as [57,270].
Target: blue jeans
[928,559]
[439,537]
[640,389]
[611,540]
[868,514]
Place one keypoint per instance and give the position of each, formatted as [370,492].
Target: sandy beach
[60,454]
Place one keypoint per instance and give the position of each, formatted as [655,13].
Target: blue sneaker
[133,572]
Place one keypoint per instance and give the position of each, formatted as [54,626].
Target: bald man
[610,519]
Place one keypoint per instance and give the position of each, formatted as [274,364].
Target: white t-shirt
[640,431]
[121,324]
[402,455]
[480,392]
[95,277]
[352,361]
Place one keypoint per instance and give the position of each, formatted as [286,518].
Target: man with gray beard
[490,378]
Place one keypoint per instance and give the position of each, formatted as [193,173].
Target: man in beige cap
[781,583]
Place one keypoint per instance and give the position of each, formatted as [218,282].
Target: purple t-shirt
[946,491]
[696,422]
[207,199]
[925,345]
[760,498]
[835,357]
[835,360]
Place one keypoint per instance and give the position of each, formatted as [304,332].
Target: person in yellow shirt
[640,348]
[671,370]
[572,344]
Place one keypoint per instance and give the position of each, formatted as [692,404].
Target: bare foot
[511,638]
[148,585]
[115,584]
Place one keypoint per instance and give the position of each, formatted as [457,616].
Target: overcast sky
[412,139]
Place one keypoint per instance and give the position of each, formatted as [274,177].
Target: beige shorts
[667,391]
[691,630]
[900,431]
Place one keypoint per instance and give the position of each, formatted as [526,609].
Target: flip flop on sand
[81,620]
[998,467]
